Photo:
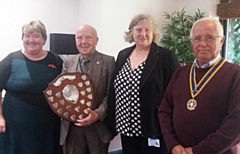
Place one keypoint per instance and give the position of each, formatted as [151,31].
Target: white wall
[90,13]
[57,15]
[116,16]
[110,17]
[207,6]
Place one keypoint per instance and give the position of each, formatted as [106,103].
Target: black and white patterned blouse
[126,87]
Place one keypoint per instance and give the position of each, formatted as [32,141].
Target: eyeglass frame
[207,39]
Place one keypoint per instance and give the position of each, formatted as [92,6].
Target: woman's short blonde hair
[35,26]
[129,35]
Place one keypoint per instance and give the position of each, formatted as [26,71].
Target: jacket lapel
[150,63]
[74,64]
[122,59]
[95,70]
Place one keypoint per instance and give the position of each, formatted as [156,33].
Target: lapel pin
[98,62]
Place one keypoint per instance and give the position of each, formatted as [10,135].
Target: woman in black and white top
[137,88]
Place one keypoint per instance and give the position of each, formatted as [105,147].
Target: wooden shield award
[70,94]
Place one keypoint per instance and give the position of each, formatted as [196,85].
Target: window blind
[229,10]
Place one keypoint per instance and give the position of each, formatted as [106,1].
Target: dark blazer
[159,67]
[100,72]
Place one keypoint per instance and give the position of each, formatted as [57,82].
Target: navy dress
[31,126]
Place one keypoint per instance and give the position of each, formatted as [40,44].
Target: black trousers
[139,145]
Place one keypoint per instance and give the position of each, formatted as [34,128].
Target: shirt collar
[209,64]
[90,58]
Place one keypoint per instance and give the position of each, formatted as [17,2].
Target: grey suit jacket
[100,72]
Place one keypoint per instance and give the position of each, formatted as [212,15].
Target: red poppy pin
[51,66]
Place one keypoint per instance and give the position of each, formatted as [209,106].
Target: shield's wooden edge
[78,74]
